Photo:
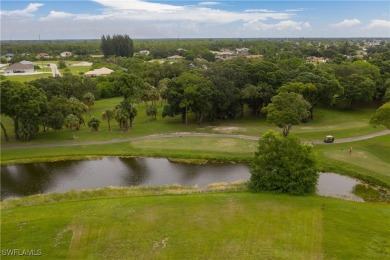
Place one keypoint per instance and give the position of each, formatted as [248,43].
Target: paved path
[159,136]
[54,70]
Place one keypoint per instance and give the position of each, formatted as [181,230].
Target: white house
[25,62]
[99,72]
[66,54]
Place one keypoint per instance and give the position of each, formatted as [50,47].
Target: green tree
[89,99]
[118,45]
[286,110]
[326,88]
[94,123]
[257,96]
[72,122]
[283,165]
[189,92]
[53,117]
[77,108]
[4,131]
[358,89]
[24,104]
[381,116]
[108,114]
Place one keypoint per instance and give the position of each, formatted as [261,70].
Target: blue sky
[89,19]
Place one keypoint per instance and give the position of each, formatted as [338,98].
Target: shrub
[283,165]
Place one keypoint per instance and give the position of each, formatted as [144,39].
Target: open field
[236,225]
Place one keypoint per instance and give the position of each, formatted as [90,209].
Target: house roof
[98,72]
[25,62]
[19,66]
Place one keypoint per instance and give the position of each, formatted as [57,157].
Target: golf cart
[329,139]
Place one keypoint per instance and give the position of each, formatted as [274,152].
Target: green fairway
[201,226]
[369,157]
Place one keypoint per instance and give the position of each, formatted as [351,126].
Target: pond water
[29,179]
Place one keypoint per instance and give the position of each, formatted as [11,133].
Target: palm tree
[72,122]
[108,115]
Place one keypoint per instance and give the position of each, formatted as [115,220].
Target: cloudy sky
[90,19]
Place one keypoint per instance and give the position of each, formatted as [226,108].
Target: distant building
[225,55]
[8,56]
[66,54]
[43,55]
[316,59]
[99,72]
[19,68]
[242,51]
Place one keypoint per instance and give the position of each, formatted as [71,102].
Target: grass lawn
[28,78]
[237,225]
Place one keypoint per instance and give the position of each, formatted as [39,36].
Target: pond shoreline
[128,171]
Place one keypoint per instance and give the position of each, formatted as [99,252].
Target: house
[25,62]
[66,54]
[316,59]
[43,55]
[8,56]
[175,57]
[99,72]
[225,55]
[242,51]
[19,68]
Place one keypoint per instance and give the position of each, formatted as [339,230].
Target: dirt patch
[227,129]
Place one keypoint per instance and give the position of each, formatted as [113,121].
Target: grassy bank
[236,225]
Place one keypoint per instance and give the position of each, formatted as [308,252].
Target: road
[172,135]
[54,70]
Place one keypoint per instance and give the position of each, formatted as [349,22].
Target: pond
[36,178]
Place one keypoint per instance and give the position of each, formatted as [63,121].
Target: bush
[94,123]
[284,165]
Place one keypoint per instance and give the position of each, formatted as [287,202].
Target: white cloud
[138,5]
[26,12]
[259,11]
[142,19]
[208,3]
[57,15]
[379,24]
[346,23]
[295,10]
[135,10]
[280,26]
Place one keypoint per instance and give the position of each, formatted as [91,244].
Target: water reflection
[28,179]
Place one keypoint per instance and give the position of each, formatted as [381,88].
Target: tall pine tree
[118,45]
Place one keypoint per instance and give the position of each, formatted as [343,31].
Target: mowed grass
[236,225]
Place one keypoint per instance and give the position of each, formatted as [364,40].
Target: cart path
[183,134]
